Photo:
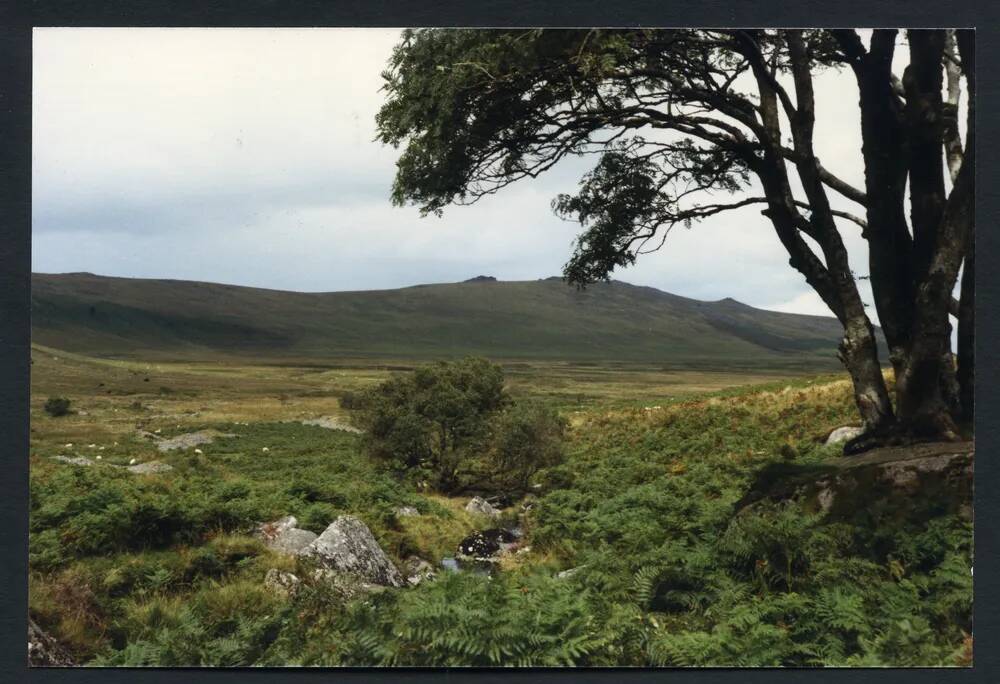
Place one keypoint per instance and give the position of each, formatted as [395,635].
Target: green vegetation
[163,569]
[536,320]
[57,406]
[452,425]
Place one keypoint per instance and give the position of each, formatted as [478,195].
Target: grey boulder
[284,537]
[347,546]
[843,434]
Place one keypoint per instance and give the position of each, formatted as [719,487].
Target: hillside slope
[544,319]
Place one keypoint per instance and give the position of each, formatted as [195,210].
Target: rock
[843,434]
[149,467]
[486,545]
[406,512]
[347,546]
[284,537]
[891,477]
[330,423]
[191,439]
[568,573]
[75,460]
[45,651]
[417,570]
[479,506]
[282,582]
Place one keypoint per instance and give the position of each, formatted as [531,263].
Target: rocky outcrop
[284,536]
[191,439]
[479,506]
[417,570]
[45,651]
[486,545]
[347,546]
[843,434]
[149,467]
[282,582]
[902,479]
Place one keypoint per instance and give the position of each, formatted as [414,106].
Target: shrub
[57,406]
[529,437]
[432,422]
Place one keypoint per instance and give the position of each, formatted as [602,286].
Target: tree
[529,437]
[692,123]
[434,421]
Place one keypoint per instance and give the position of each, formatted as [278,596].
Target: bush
[57,406]
[529,437]
[431,423]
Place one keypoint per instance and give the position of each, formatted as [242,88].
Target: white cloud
[247,156]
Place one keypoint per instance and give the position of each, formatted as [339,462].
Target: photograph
[584,347]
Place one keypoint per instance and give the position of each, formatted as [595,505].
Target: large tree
[686,124]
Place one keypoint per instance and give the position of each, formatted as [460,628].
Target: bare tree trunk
[966,373]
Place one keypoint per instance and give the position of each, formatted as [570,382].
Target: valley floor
[163,568]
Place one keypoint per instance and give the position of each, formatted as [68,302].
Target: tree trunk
[966,337]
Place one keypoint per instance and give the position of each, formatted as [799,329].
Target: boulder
[284,537]
[417,570]
[907,481]
[75,460]
[45,651]
[486,545]
[149,467]
[479,506]
[281,582]
[348,546]
[843,434]
[191,439]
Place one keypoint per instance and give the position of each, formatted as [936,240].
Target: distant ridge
[540,319]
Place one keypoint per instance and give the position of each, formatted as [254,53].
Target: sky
[247,156]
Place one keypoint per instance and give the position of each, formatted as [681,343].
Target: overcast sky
[247,156]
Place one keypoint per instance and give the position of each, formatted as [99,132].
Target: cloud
[247,156]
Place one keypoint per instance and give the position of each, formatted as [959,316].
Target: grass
[529,320]
[163,569]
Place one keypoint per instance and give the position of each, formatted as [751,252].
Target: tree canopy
[686,124]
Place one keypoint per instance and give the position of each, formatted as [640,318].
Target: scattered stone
[348,546]
[191,439]
[843,434]
[486,545]
[479,506]
[284,537]
[417,570]
[568,573]
[44,650]
[406,512]
[282,582]
[75,460]
[330,423]
[149,467]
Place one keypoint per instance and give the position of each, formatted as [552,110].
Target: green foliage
[528,438]
[667,572]
[57,406]
[452,424]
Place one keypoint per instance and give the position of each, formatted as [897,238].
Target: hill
[543,319]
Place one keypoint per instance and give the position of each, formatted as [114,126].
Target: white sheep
[198,451]
[265,450]
[132,462]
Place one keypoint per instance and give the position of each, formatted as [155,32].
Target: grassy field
[527,320]
[163,570]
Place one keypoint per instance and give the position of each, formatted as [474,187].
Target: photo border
[15,256]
